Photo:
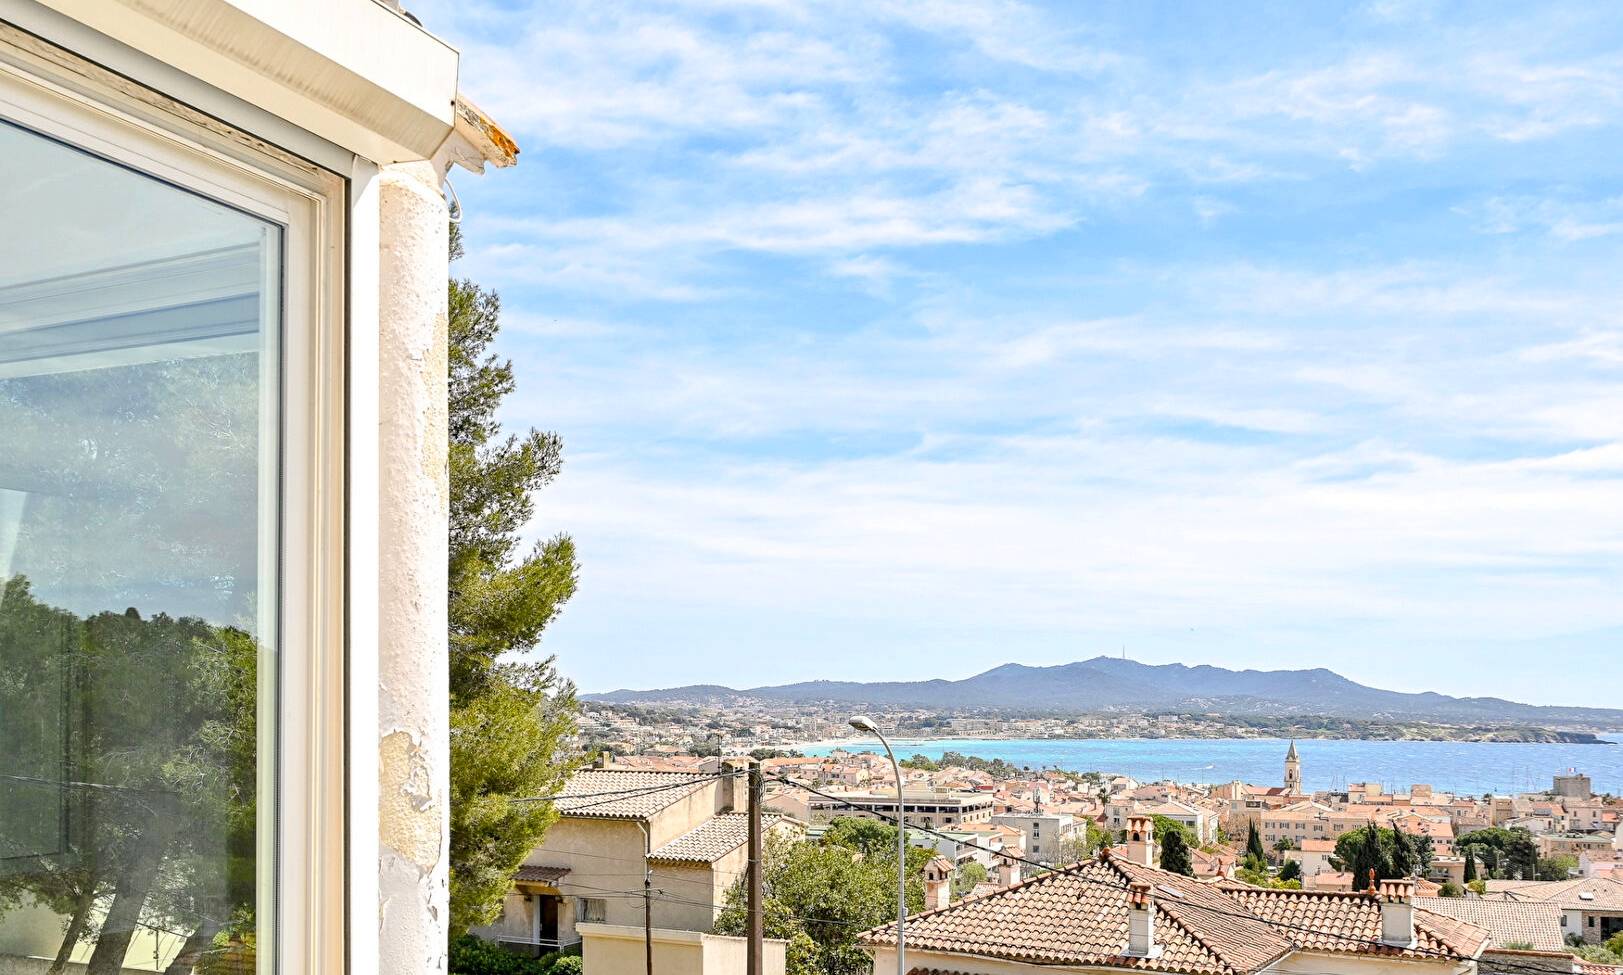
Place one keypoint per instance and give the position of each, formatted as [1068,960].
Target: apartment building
[922,807]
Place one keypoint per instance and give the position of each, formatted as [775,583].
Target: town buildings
[223,356]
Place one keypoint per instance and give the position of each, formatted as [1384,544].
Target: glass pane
[138,439]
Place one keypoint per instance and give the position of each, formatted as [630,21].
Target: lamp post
[862,722]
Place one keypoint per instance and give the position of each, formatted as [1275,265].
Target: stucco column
[413,493]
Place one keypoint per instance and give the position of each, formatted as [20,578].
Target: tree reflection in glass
[137,471]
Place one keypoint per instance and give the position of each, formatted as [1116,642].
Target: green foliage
[1478,887]
[921,762]
[511,717]
[866,836]
[762,754]
[1513,945]
[1165,827]
[472,956]
[967,878]
[1253,843]
[1083,844]
[1175,853]
[1292,870]
[1451,889]
[1470,865]
[820,896]
[1385,851]
[1504,854]
[1558,867]
[1598,954]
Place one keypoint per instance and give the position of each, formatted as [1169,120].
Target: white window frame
[302,832]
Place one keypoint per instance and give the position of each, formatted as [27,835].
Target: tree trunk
[129,898]
[74,934]
[192,951]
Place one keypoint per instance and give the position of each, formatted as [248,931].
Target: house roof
[707,842]
[1343,921]
[1584,893]
[625,794]
[532,874]
[1507,922]
[1078,916]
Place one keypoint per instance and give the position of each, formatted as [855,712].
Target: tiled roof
[708,842]
[622,794]
[1603,892]
[1078,916]
[1326,920]
[529,874]
[1507,922]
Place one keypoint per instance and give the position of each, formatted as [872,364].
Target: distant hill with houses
[1106,684]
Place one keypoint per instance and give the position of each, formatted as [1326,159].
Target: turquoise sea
[1465,767]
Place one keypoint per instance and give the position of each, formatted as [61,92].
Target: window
[139,330]
[170,524]
[593,909]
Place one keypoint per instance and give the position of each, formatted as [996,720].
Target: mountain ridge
[1113,684]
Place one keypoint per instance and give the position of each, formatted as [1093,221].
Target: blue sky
[904,338]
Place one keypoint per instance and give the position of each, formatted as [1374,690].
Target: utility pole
[647,899]
[757,920]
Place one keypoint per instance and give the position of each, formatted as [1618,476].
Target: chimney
[1141,840]
[1141,921]
[1008,872]
[603,760]
[734,794]
[1397,912]
[937,884]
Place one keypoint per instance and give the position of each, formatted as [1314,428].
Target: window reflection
[138,327]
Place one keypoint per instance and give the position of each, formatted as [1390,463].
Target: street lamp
[864,723]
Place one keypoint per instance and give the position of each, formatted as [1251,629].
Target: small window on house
[593,909]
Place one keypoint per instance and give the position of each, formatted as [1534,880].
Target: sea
[1462,767]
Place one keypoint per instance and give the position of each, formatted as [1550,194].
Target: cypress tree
[1175,854]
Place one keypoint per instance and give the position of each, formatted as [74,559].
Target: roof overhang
[357,73]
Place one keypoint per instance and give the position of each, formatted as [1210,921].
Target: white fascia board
[353,72]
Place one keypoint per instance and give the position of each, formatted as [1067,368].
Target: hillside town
[1511,883]
[711,727]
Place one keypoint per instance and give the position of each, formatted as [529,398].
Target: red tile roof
[1078,916]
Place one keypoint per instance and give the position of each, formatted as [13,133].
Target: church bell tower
[1293,772]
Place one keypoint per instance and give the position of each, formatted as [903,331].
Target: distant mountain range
[1111,684]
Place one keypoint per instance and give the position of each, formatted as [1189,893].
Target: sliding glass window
[139,446]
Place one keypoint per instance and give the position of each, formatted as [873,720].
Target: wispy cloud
[899,337]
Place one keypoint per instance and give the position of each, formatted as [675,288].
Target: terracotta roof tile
[1078,916]
[628,797]
[529,874]
[1323,920]
[707,842]
[1505,921]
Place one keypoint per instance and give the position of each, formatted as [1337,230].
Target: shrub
[566,965]
[473,956]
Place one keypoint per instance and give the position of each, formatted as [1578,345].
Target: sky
[900,339]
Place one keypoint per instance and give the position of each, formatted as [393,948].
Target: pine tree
[511,715]
[1470,866]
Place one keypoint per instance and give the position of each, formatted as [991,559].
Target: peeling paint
[408,821]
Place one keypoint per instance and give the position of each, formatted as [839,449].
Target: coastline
[1462,767]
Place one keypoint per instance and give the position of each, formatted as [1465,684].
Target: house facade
[685,833]
[223,493]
